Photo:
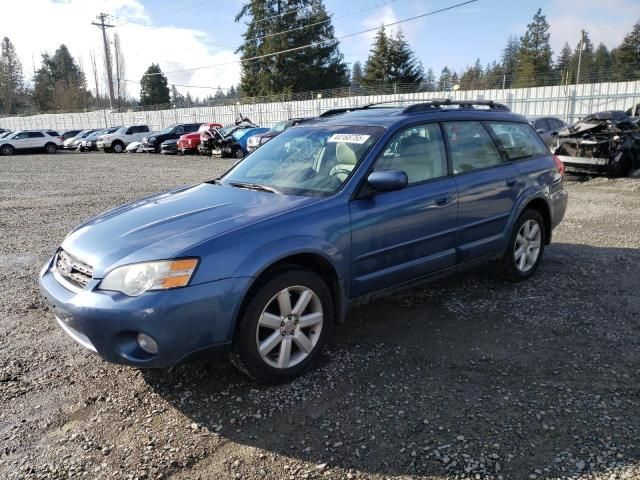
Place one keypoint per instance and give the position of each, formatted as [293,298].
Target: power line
[286,12]
[315,44]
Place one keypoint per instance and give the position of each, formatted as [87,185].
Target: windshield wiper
[253,186]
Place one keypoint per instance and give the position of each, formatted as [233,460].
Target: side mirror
[387,180]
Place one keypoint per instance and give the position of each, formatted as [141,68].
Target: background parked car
[236,144]
[548,127]
[169,147]
[256,141]
[67,134]
[31,140]
[152,142]
[5,134]
[189,142]
[71,143]
[117,141]
[89,143]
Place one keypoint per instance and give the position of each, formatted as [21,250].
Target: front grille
[74,271]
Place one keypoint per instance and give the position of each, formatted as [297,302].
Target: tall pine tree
[535,55]
[391,61]
[510,60]
[626,58]
[306,22]
[445,81]
[153,87]
[356,76]
[11,79]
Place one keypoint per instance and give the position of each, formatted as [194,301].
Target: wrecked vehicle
[602,143]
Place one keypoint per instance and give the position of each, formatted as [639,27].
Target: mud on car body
[602,143]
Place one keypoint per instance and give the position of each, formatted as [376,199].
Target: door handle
[441,201]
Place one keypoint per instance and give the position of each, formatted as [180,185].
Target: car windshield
[305,160]
[167,130]
[121,130]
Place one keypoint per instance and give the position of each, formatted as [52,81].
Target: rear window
[518,140]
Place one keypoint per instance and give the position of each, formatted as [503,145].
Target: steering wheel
[337,171]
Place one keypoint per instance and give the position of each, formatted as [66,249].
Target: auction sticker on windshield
[348,138]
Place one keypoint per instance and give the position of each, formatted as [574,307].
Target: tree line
[313,62]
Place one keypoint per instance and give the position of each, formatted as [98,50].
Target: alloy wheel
[289,327]
[527,246]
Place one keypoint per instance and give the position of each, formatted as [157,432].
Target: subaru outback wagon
[263,261]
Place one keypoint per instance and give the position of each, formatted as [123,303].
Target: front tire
[283,327]
[525,248]
[7,150]
[117,147]
[238,153]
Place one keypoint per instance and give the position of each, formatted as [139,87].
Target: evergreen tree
[391,61]
[510,60]
[454,79]
[626,58]
[219,96]
[11,79]
[177,99]
[231,94]
[429,83]
[188,101]
[444,82]
[404,67]
[535,55]
[356,76]
[494,76]
[564,64]
[59,83]
[320,66]
[472,78]
[153,87]
[602,63]
[376,69]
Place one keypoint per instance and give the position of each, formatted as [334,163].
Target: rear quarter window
[517,140]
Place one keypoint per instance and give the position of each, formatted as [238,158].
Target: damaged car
[601,143]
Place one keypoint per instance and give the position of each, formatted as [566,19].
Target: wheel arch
[308,260]
[541,206]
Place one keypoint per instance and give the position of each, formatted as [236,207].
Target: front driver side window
[418,151]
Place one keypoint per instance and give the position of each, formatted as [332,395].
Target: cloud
[606,22]
[143,42]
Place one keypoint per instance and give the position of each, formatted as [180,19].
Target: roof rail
[423,105]
[465,104]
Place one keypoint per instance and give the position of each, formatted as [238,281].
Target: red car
[188,143]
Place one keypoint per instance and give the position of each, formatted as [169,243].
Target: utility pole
[107,55]
[580,56]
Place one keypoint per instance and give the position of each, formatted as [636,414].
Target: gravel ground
[469,377]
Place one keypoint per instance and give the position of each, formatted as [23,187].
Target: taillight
[559,165]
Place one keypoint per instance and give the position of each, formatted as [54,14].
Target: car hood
[162,226]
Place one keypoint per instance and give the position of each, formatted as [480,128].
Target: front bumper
[149,148]
[587,164]
[184,321]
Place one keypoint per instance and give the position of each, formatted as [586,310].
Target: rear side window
[36,134]
[471,147]
[541,124]
[518,140]
[142,129]
[52,133]
[418,151]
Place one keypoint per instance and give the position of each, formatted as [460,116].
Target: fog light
[147,343]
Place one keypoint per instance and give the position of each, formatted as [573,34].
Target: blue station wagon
[263,261]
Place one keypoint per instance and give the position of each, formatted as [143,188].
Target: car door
[403,235]
[36,140]
[140,131]
[21,141]
[488,187]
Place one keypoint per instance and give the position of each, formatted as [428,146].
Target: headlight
[137,278]
[152,139]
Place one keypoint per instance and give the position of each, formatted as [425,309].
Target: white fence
[567,102]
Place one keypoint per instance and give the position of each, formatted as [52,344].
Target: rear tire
[238,153]
[283,326]
[525,248]
[50,148]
